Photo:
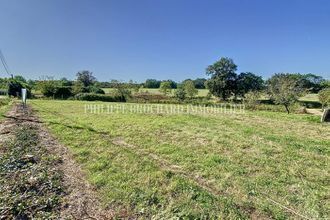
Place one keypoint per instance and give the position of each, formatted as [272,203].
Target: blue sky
[163,39]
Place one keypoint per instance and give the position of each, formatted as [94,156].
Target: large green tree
[152,83]
[86,77]
[200,83]
[248,82]
[222,83]
[310,82]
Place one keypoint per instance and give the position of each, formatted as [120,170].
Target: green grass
[5,104]
[310,97]
[194,166]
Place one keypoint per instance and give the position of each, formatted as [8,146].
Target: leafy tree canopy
[285,89]
[152,83]
[249,82]
[86,77]
[222,83]
[165,87]
[189,88]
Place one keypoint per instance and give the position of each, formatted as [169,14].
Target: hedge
[63,92]
[99,97]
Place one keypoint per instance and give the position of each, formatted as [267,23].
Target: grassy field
[258,164]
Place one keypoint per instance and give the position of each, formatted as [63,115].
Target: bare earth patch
[80,200]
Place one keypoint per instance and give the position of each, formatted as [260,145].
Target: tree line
[223,83]
[282,88]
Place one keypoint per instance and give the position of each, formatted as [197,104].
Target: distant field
[253,165]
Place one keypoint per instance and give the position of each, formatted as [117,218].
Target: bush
[251,100]
[99,97]
[52,89]
[48,87]
[96,90]
[15,88]
[180,93]
[285,89]
[189,88]
[78,87]
[63,92]
[324,97]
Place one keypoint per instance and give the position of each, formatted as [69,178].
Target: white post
[24,97]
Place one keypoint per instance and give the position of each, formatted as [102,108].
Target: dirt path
[80,200]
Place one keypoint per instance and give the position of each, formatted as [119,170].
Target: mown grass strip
[30,184]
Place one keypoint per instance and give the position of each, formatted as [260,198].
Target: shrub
[122,90]
[48,87]
[324,97]
[180,93]
[78,87]
[285,89]
[251,100]
[96,90]
[190,89]
[99,97]
[15,88]
[52,88]
[63,92]
[165,87]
